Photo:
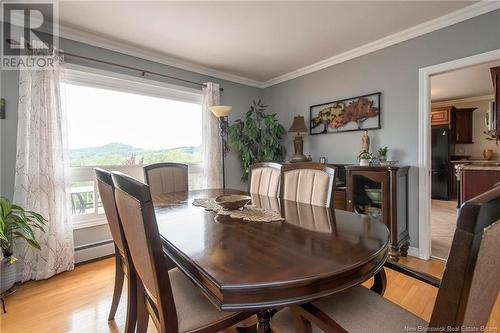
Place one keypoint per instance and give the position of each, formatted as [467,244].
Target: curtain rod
[142,71]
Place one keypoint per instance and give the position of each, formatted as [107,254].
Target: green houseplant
[257,137]
[15,223]
[364,158]
[382,154]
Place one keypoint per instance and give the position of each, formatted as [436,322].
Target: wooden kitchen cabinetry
[458,120]
[461,125]
[382,193]
[440,115]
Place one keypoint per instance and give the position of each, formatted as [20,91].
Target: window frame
[98,78]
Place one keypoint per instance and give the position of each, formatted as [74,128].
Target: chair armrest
[427,278]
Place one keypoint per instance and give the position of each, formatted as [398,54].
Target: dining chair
[122,265]
[264,179]
[465,298]
[310,183]
[166,177]
[174,303]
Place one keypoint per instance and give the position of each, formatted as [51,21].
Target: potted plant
[382,154]
[15,223]
[364,158]
[257,138]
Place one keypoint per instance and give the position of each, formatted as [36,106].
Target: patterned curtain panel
[40,183]
[212,147]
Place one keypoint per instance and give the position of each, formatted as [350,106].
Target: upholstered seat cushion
[358,310]
[194,310]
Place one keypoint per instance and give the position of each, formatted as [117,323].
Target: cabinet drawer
[440,117]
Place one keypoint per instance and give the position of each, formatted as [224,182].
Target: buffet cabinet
[382,193]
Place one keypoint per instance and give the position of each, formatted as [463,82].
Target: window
[122,124]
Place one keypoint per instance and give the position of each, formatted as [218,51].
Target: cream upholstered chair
[122,265]
[166,177]
[310,183]
[264,179]
[174,303]
[466,295]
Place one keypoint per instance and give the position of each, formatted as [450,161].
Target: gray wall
[394,72]
[237,95]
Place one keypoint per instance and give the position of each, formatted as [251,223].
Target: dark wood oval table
[256,266]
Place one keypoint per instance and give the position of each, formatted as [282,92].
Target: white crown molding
[457,16]
[464,100]
[158,57]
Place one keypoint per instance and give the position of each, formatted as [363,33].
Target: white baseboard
[98,251]
[414,252]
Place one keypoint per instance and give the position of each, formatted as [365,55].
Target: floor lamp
[222,112]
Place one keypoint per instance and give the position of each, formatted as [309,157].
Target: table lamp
[299,127]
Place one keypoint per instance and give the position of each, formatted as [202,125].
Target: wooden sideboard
[382,192]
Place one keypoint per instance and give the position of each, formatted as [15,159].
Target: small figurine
[366,142]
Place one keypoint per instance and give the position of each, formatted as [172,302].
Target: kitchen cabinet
[476,179]
[440,115]
[459,122]
[461,125]
[382,193]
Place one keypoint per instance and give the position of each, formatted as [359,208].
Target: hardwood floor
[443,221]
[79,301]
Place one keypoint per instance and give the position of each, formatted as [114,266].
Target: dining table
[261,267]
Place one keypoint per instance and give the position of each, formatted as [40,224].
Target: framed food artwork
[352,114]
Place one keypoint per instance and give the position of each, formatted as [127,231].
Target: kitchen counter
[493,166]
[476,178]
[474,161]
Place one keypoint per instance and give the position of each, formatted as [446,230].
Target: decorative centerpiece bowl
[232,201]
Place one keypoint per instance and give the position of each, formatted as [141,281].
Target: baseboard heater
[92,251]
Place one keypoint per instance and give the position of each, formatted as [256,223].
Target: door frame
[424,142]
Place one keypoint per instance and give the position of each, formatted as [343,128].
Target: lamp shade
[221,110]
[298,125]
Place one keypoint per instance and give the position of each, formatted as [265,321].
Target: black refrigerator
[440,160]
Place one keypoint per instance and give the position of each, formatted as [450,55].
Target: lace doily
[248,213]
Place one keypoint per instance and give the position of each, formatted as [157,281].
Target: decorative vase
[382,159]
[364,162]
[7,275]
[487,154]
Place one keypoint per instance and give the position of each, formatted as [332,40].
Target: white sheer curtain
[212,147]
[40,183]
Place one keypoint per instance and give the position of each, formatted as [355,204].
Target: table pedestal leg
[264,321]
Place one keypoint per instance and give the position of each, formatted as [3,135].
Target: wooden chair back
[471,279]
[135,207]
[166,177]
[264,179]
[107,192]
[310,183]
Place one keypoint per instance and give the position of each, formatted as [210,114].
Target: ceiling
[466,82]
[255,40]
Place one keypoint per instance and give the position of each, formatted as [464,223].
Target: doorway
[439,213]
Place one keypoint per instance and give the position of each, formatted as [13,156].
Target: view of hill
[121,154]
